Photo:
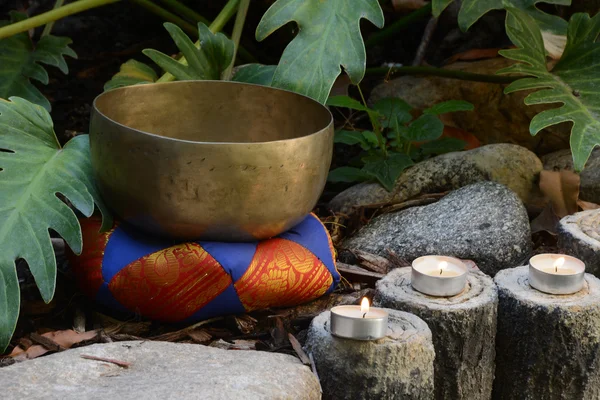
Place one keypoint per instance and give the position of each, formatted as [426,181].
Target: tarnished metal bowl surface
[210,160]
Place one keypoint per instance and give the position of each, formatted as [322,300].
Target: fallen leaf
[562,189]
[586,205]
[235,344]
[245,323]
[298,349]
[554,44]
[200,336]
[65,339]
[473,54]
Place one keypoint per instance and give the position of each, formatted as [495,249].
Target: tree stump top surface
[480,290]
[402,327]
[516,282]
[584,226]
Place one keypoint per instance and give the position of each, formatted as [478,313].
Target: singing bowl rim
[325,128]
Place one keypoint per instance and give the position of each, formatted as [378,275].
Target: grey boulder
[508,164]
[485,222]
[160,370]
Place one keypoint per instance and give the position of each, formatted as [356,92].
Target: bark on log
[546,345]
[579,236]
[399,366]
[463,329]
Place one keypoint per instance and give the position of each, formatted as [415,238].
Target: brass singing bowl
[210,160]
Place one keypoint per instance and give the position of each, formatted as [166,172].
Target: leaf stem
[443,72]
[397,26]
[238,27]
[217,25]
[49,25]
[50,16]
[374,123]
[185,12]
[167,16]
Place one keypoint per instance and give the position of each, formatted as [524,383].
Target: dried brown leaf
[200,336]
[298,349]
[235,344]
[245,323]
[562,189]
[586,205]
[56,340]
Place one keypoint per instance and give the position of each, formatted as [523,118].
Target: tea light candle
[556,273]
[359,322]
[438,275]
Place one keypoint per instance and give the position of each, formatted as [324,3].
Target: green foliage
[132,72]
[21,61]
[328,37]
[255,73]
[34,169]
[472,10]
[389,148]
[205,63]
[573,81]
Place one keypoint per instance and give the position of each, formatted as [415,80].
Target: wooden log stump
[398,366]
[463,329]
[579,236]
[547,345]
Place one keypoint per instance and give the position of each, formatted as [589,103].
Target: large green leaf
[472,10]
[258,74]
[395,112]
[33,170]
[426,127]
[328,37]
[574,80]
[387,170]
[21,61]
[205,63]
[132,72]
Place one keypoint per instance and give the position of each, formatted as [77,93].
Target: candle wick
[441,270]
[556,268]
[364,315]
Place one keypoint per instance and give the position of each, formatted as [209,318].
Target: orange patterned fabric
[282,273]
[88,273]
[172,284]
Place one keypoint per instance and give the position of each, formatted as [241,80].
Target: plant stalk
[397,26]
[236,35]
[374,123]
[185,12]
[443,72]
[51,16]
[216,26]
[49,25]
[167,16]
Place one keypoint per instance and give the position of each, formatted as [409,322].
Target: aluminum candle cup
[438,275]
[556,273]
[358,322]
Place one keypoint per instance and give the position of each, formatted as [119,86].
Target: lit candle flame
[558,263]
[443,266]
[364,306]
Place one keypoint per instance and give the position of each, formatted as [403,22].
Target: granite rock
[160,370]
[508,164]
[484,222]
[589,188]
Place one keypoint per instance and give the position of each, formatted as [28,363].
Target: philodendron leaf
[255,73]
[21,61]
[426,127]
[449,106]
[572,81]
[472,10]
[132,72]
[34,169]
[205,63]
[387,170]
[328,37]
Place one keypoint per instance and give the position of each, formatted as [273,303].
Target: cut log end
[397,366]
